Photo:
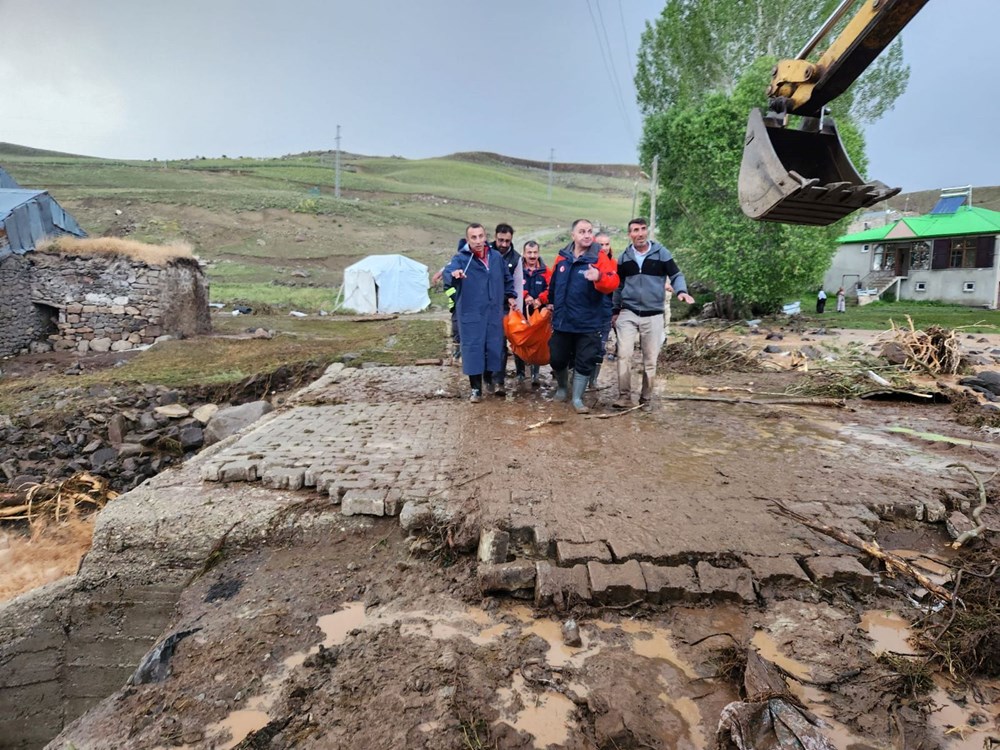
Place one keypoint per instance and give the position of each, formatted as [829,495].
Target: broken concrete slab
[575,553]
[493,545]
[670,583]
[415,516]
[616,584]
[561,587]
[958,523]
[363,502]
[507,577]
[283,478]
[726,584]
[777,577]
[836,571]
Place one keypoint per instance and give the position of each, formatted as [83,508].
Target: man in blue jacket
[581,277]
[483,283]
[645,269]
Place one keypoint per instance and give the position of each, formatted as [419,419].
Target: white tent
[386,284]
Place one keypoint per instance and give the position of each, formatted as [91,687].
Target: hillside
[272,231]
[923,201]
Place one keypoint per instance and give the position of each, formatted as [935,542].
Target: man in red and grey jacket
[646,270]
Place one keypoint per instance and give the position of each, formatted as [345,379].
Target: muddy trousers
[576,350]
[648,330]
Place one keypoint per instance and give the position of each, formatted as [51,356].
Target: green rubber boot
[579,386]
[561,379]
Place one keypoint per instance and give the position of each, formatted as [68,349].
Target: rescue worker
[536,287]
[579,280]
[603,241]
[483,282]
[503,243]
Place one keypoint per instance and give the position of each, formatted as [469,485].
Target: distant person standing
[821,301]
[503,243]
[841,300]
[581,278]
[647,270]
[483,283]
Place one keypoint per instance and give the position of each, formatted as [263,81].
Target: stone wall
[116,303]
[21,321]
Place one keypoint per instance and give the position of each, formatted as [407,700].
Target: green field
[271,230]
[882,315]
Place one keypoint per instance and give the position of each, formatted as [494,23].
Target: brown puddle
[888,632]
[238,725]
[545,716]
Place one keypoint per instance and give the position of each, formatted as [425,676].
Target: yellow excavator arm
[803,175]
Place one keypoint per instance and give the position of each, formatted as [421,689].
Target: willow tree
[701,67]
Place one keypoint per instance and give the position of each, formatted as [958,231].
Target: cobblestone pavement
[673,502]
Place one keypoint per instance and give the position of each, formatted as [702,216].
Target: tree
[697,47]
[701,68]
[752,266]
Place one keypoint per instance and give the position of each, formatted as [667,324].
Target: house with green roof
[949,255]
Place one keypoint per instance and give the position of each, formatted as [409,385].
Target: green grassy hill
[272,231]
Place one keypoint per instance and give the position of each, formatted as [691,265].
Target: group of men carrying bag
[586,292]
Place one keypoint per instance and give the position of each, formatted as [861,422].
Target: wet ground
[358,639]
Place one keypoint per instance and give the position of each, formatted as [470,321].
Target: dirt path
[416,654]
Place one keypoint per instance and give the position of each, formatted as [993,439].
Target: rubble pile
[126,445]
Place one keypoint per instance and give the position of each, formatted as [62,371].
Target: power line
[628,51]
[615,84]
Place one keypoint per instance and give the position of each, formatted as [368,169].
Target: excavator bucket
[801,176]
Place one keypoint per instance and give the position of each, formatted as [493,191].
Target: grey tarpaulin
[26,216]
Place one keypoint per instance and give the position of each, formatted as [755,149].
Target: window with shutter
[985,247]
[942,254]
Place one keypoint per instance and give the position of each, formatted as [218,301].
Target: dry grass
[708,353]
[153,255]
[51,552]
[935,350]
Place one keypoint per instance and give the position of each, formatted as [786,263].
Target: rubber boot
[592,385]
[561,380]
[579,386]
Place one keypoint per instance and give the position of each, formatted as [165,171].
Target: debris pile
[707,353]
[936,351]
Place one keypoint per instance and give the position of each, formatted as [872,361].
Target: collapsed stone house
[88,295]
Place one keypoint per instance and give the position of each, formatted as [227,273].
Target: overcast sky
[130,79]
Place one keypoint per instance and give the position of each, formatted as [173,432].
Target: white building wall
[852,263]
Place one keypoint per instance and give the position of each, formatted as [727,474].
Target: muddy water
[968,727]
[545,716]
[812,697]
[888,632]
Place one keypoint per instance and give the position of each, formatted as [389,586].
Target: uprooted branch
[893,563]
[977,512]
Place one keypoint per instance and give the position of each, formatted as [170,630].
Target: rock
[610,730]
[262,333]
[92,446]
[811,352]
[833,571]
[116,429]
[415,516]
[773,349]
[958,523]
[774,336]
[9,468]
[174,411]
[102,456]
[363,503]
[100,345]
[493,544]
[232,419]
[571,634]
[508,577]
[191,437]
[726,584]
[894,352]
[205,412]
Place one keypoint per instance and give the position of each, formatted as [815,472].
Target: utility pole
[552,156]
[336,168]
[652,198]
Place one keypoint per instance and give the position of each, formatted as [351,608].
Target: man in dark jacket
[645,270]
[503,243]
[580,279]
[483,282]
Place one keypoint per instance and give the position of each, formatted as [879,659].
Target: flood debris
[57,500]
[935,351]
[706,353]
[769,717]
[977,511]
[155,665]
[893,563]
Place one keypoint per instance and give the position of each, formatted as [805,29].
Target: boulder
[232,419]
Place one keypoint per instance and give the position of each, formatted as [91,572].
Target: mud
[351,637]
